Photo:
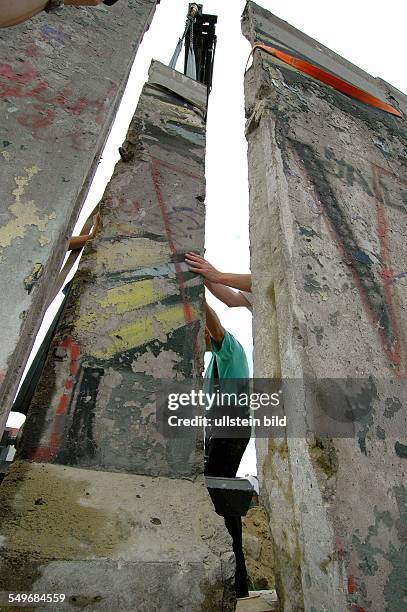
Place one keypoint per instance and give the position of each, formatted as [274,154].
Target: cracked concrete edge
[189,89]
[261,26]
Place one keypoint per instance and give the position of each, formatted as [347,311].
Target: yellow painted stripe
[144,330]
[129,254]
[120,300]
[131,296]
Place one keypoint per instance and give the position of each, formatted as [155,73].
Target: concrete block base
[113,541]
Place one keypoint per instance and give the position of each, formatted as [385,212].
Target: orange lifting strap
[327,78]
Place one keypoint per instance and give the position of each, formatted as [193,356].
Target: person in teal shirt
[230,358]
[228,370]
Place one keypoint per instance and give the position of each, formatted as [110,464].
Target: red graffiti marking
[77,141]
[351,585]
[386,273]
[176,168]
[155,175]
[122,204]
[25,83]
[42,119]
[27,74]
[100,111]
[339,549]
[32,51]
[48,453]
[79,106]
[392,353]
[164,213]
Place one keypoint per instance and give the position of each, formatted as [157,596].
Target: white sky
[365,32]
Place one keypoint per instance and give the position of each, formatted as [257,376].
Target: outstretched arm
[201,266]
[214,325]
[243,282]
[78,242]
[231,298]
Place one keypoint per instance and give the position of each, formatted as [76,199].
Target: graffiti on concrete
[134,312]
[373,279]
[26,82]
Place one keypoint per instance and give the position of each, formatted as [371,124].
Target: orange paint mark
[351,585]
[329,79]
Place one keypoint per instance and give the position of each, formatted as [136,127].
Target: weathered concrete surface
[328,245]
[257,547]
[112,541]
[134,316]
[61,80]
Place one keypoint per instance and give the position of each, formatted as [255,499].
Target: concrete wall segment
[61,81]
[327,214]
[117,514]
[134,314]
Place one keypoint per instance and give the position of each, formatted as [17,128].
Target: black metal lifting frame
[203,43]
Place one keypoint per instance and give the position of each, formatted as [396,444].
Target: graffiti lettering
[26,83]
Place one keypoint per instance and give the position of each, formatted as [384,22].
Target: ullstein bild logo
[227,421]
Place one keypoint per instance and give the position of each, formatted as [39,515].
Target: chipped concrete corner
[135,503]
[328,242]
[56,111]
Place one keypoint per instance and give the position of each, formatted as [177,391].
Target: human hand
[201,266]
[96,225]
